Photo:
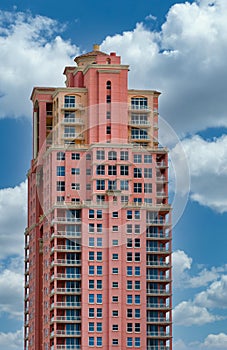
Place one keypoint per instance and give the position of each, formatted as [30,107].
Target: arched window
[108,85]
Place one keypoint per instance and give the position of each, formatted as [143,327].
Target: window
[75,156]
[137,256]
[115,214]
[148,200]
[75,186]
[115,299]
[99,327]
[137,285]
[88,171]
[115,242]
[91,341]
[129,270]
[114,284]
[147,188]
[129,327]
[139,103]
[129,243]
[100,185]
[99,228]
[115,327]
[115,270]
[99,298]
[112,170]
[100,155]
[124,170]
[115,313]
[99,341]
[124,155]
[91,242]
[60,171]
[129,313]
[129,256]
[137,327]
[91,270]
[137,270]
[88,187]
[137,172]
[137,243]
[91,298]
[108,98]
[99,214]
[91,312]
[137,200]
[100,169]
[147,158]
[129,299]
[99,270]
[129,341]
[129,284]
[91,228]
[137,342]
[108,130]
[60,199]
[129,214]
[124,199]
[112,155]
[91,256]
[99,312]
[60,156]
[115,256]
[137,229]
[112,185]
[148,173]
[124,185]
[129,228]
[137,299]
[115,228]
[91,214]
[137,214]
[99,284]
[99,256]
[75,171]
[100,198]
[99,242]
[138,187]
[91,326]
[60,185]
[91,284]
[114,341]
[70,101]
[137,313]
[108,115]
[88,156]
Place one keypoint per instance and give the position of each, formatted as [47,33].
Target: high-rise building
[98,241]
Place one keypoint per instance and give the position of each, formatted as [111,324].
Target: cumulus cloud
[181,263]
[208,170]
[187,313]
[11,341]
[32,51]
[215,295]
[185,60]
[216,341]
[12,220]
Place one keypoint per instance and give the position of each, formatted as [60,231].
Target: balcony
[161,179]
[157,347]
[78,121]
[73,135]
[63,220]
[161,164]
[65,291]
[161,194]
[140,123]
[66,276]
[139,108]
[65,248]
[67,305]
[161,320]
[71,234]
[158,235]
[67,347]
[158,306]
[158,250]
[157,278]
[65,262]
[73,106]
[66,319]
[158,334]
[158,292]
[65,333]
[140,137]
[157,222]
[158,263]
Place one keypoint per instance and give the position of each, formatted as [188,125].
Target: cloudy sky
[177,47]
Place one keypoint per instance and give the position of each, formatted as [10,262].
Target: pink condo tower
[98,238]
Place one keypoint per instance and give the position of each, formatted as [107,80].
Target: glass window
[91,256]
[129,242]
[60,185]
[129,313]
[115,270]
[100,155]
[108,98]
[124,199]
[91,214]
[88,156]
[91,228]
[124,170]
[108,115]
[115,228]
[137,313]
[99,298]
[60,156]
[108,130]
[129,228]
[137,299]
[137,158]
[138,187]
[88,171]
[124,155]
[139,103]
[99,228]
[129,341]
[115,341]
[137,270]
[124,185]
[115,214]
[91,341]
[75,156]
[99,270]
[147,188]
[99,327]
[115,299]
[99,312]
[129,256]
[100,185]
[91,284]
[115,327]
[112,185]
[99,242]
[60,171]
[115,242]
[112,155]
[88,187]
[99,256]
[129,214]
[129,299]
[99,284]
[100,169]
[91,242]
[147,158]
[129,270]
[137,285]
[137,172]
[75,171]
[75,186]
[137,214]
[115,256]
[137,342]
[99,341]
[137,256]
[137,243]
[115,313]
[129,284]
[69,101]
[112,170]
[91,298]
[137,327]
[99,214]
[91,312]
[129,327]
[91,326]
[148,173]
[115,284]
[137,229]
[91,270]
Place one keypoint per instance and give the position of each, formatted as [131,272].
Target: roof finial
[96,47]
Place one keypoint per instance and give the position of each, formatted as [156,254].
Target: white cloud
[186,61]
[11,341]
[216,341]
[12,220]
[208,170]
[215,295]
[181,263]
[187,313]
[32,54]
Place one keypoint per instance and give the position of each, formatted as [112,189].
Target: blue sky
[177,47]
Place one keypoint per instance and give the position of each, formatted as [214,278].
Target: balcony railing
[158,263]
[140,122]
[158,235]
[73,135]
[65,318]
[66,219]
[161,164]
[73,106]
[65,262]
[66,234]
[65,248]
[158,291]
[157,334]
[60,332]
[157,320]
[157,306]
[157,347]
[139,108]
[66,304]
[73,121]
[140,137]
[157,278]
[158,249]
[157,222]
[67,276]
[66,290]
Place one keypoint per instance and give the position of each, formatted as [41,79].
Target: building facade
[98,240]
